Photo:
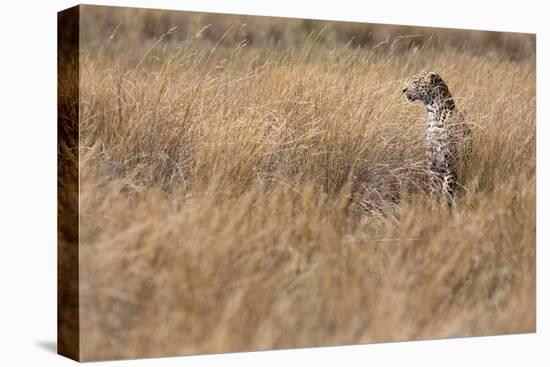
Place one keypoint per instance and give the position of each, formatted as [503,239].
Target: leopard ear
[434,78]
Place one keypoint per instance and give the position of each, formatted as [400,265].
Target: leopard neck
[439,108]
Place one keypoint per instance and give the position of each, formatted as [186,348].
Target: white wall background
[28,182]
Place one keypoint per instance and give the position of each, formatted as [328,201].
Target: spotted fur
[376,188]
[445,131]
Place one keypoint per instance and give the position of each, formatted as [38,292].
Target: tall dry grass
[214,185]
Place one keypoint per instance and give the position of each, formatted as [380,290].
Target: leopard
[447,133]
[376,189]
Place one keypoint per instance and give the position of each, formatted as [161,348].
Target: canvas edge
[68,323]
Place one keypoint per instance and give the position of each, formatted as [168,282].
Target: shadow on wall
[48,345]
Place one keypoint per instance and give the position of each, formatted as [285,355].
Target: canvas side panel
[67,183]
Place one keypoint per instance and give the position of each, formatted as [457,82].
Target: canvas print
[233,183]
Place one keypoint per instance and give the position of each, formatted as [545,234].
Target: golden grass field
[215,166]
